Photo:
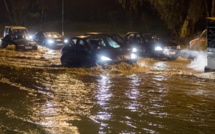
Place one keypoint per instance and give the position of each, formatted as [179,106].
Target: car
[153,46]
[210,67]
[18,36]
[200,42]
[49,39]
[89,51]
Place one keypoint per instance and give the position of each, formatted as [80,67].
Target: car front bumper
[167,53]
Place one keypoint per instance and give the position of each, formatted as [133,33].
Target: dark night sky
[3,12]
[80,10]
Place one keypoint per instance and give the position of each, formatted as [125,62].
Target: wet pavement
[38,95]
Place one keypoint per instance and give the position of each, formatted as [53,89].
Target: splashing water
[199,62]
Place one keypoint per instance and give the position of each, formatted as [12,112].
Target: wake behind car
[49,39]
[18,36]
[151,45]
[88,51]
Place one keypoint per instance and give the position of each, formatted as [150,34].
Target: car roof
[89,36]
[81,36]
[98,33]
[134,32]
[94,33]
[16,27]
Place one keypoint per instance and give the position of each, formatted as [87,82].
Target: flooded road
[39,96]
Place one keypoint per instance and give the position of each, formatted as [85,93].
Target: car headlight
[158,48]
[133,56]
[30,37]
[104,58]
[66,41]
[134,50]
[50,41]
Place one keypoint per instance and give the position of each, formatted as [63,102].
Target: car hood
[25,42]
[22,41]
[114,54]
[53,38]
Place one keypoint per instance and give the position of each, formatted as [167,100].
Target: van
[11,30]
[18,36]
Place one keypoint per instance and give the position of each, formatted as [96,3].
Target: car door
[69,53]
[82,51]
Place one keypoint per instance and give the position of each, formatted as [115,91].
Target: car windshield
[20,34]
[112,43]
[98,43]
[52,35]
[20,31]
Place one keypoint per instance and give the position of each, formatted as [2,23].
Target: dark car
[18,36]
[151,45]
[49,39]
[88,51]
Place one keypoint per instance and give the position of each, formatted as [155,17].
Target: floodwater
[39,96]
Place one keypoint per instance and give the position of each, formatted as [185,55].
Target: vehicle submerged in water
[18,36]
[93,50]
[210,45]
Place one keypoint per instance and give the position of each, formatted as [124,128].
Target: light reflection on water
[119,104]
[103,95]
[67,99]
[139,103]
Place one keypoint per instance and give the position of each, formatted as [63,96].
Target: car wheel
[16,47]
[172,58]
[88,64]
[64,61]
[208,70]
[4,45]
[35,48]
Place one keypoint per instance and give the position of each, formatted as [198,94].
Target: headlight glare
[158,48]
[104,58]
[66,41]
[133,56]
[134,50]
[50,41]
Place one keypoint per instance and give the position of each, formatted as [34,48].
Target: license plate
[59,44]
[171,53]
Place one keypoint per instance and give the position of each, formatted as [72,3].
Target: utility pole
[63,18]
[42,14]
[8,11]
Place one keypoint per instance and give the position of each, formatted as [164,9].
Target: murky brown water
[37,95]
